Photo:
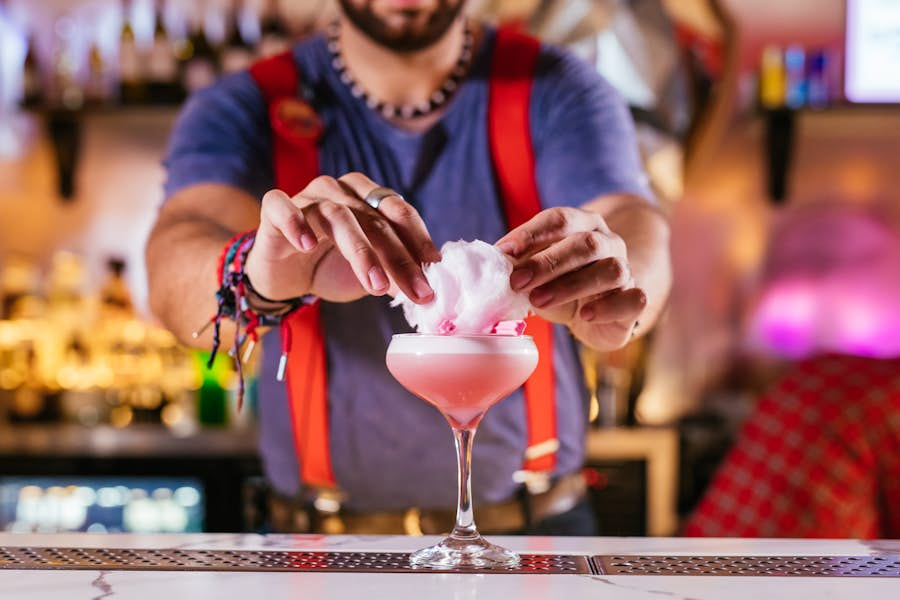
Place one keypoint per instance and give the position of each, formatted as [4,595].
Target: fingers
[547,227]
[407,222]
[618,306]
[411,228]
[571,254]
[402,267]
[281,217]
[366,239]
[597,278]
[339,222]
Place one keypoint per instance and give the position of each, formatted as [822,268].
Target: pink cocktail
[462,376]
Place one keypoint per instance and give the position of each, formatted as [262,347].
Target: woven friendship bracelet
[236,299]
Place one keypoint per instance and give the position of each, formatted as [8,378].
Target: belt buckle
[536,482]
[327,500]
[327,504]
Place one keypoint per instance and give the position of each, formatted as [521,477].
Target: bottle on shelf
[132,88]
[199,61]
[98,90]
[64,127]
[212,395]
[114,293]
[22,308]
[66,91]
[772,78]
[795,73]
[237,54]
[163,81]
[68,356]
[20,296]
[275,37]
[31,77]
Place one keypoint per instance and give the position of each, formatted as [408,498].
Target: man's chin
[405,28]
[408,4]
[404,42]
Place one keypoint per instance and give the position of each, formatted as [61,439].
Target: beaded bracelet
[234,301]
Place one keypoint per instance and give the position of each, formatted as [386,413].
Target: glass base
[464,553]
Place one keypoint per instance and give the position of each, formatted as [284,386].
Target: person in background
[820,454]
[400,94]
[819,457]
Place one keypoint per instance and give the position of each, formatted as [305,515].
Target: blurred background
[770,131]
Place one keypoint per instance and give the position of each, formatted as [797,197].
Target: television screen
[872,64]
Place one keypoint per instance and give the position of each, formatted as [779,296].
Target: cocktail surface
[462,376]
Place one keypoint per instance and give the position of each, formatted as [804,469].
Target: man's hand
[327,241]
[576,272]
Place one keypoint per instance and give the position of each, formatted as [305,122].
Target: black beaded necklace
[405,111]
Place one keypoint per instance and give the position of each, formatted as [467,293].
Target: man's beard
[408,39]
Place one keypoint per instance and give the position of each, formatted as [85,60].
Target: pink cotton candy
[471,293]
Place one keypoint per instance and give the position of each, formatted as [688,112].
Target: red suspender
[295,126]
[295,134]
[307,386]
[509,133]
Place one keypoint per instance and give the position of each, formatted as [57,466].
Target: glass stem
[465,518]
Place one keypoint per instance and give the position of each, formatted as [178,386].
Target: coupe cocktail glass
[462,376]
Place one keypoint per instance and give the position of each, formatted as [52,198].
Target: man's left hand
[575,271]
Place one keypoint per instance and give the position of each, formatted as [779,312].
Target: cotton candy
[471,293]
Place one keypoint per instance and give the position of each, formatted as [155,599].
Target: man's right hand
[328,242]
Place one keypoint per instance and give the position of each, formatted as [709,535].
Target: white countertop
[171,585]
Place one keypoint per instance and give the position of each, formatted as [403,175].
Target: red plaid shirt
[819,457]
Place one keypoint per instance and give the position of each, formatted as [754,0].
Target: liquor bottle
[212,396]
[772,78]
[65,89]
[31,77]
[795,73]
[164,85]
[199,62]
[98,89]
[114,294]
[64,128]
[19,290]
[275,37]
[818,89]
[132,89]
[237,54]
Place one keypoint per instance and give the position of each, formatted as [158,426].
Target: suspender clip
[540,449]
[285,348]
[326,503]
[536,482]
[282,366]
[248,352]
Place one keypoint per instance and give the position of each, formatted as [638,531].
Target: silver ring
[375,197]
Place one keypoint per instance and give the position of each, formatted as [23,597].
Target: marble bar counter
[96,584]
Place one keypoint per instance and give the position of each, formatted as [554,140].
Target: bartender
[403,126]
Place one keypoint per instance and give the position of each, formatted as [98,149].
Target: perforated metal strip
[398,562]
[752,566]
[255,560]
